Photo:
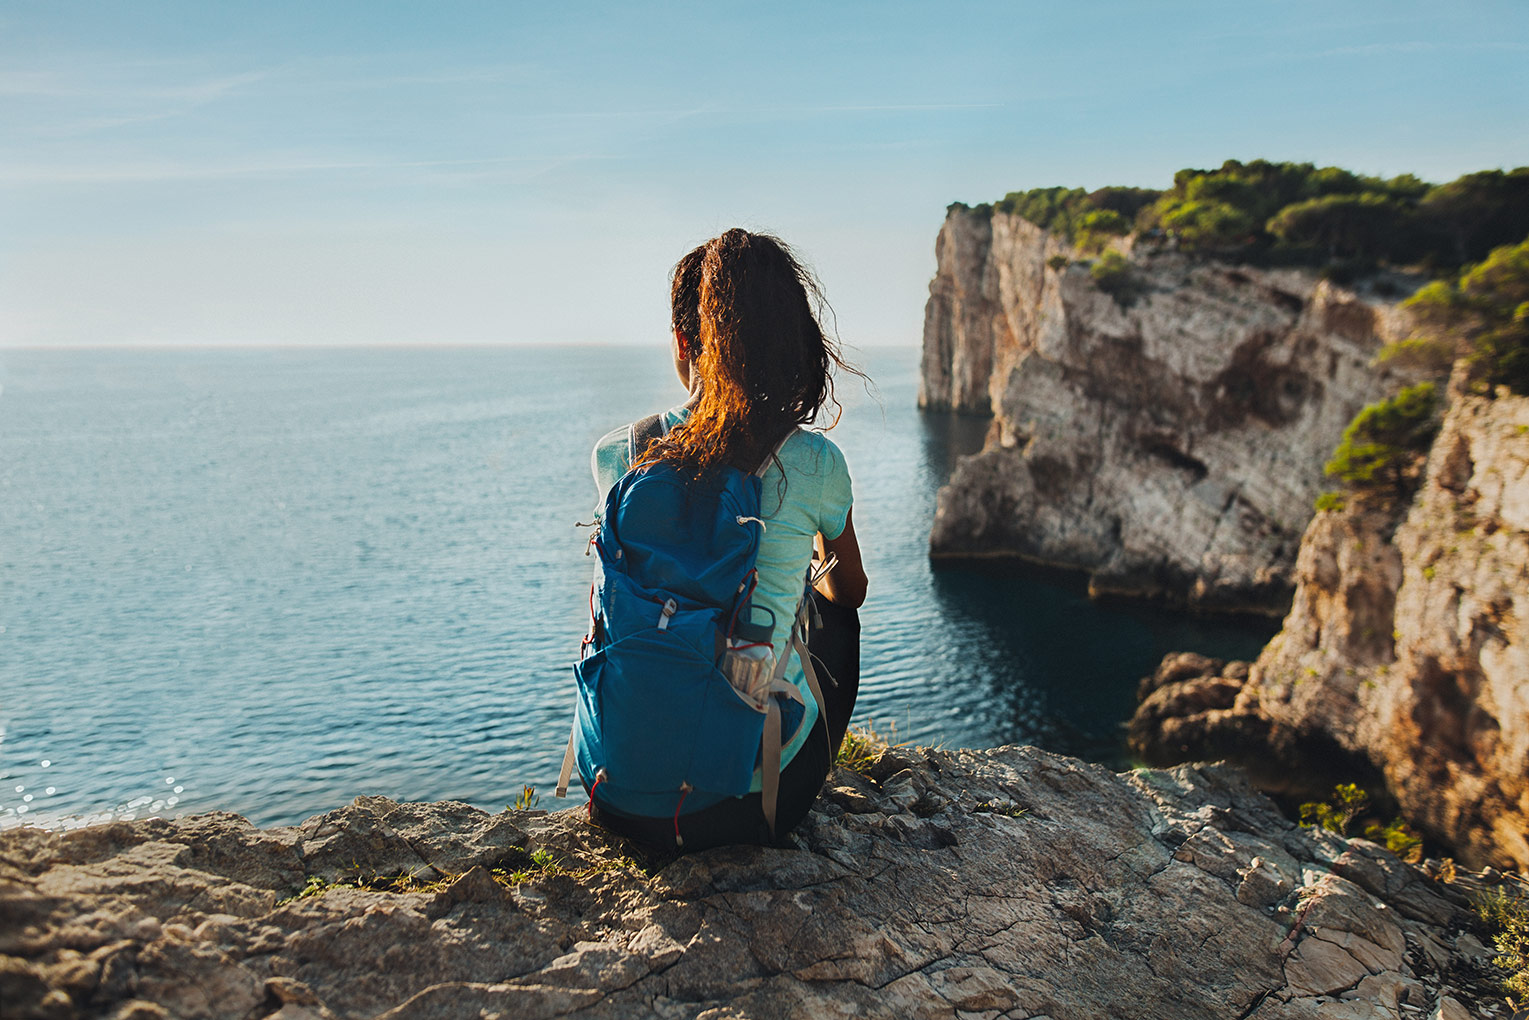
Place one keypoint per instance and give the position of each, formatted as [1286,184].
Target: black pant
[835,646]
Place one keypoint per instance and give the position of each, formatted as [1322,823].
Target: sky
[371,172]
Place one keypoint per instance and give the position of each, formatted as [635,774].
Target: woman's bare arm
[845,583]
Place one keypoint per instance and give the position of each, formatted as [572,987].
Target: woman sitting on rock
[756,364]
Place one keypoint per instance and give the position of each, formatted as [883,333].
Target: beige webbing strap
[769,766]
[786,688]
[562,777]
[811,674]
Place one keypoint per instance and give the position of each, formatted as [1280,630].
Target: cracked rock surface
[1000,883]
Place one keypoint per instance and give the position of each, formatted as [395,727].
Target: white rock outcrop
[1171,443]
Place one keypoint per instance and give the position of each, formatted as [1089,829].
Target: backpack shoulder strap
[642,432]
[774,454]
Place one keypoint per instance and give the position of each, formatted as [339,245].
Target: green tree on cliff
[1048,208]
[1381,447]
[1095,228]
[1208,225]
[1297,212]
[1478,212]
[1484,316]
[1363,226]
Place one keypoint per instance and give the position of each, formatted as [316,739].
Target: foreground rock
[1405,655]
[1007,883]
[1170,443]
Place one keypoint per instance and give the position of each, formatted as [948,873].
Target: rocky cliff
[1168,439]
[1406,649]
[1008,883]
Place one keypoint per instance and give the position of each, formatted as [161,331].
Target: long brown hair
[746,309]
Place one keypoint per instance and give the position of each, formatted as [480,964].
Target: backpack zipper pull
[670,608]
[593,535]
[744,520]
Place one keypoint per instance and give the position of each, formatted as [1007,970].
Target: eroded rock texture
[1004,883]
[1406,648]
[1171,446]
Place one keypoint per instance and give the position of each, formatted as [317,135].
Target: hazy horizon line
[373,344]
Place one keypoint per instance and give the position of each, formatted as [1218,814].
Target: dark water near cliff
[267,580]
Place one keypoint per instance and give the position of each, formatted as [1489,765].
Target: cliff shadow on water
[1046,665]
[946,437]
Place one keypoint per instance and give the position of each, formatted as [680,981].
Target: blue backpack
[680,697]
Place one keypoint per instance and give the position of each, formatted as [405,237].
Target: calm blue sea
[268,580]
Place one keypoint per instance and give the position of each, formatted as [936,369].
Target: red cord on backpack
[679,840]
[589,636]
[745,592]
[599,778]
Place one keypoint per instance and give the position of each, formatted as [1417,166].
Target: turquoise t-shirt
[813,495]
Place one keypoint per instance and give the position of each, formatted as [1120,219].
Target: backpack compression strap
[770,747]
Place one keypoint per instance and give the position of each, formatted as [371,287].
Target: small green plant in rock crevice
[863,745]
[402,882]
[1348,802]
[1508,916]
[541,865]
[1399,838]
[1338,812]
[997,807]
[527,799]
[1334,501]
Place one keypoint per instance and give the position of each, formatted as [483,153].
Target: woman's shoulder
[612,456]
[812,452]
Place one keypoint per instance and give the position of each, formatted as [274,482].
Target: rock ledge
[1002,883]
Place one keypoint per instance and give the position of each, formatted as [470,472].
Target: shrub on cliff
[1227,208]
[1383,445]
[1209,225]
[1482,315]
[1048,208]
[1087,219]
[1097,227]
[1477,212]
[1507,914]
[1112,274]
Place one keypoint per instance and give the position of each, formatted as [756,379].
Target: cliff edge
[1406,648]
[1162,426]
[1009,882]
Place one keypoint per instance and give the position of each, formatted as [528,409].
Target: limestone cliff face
[1407,645]
[1170,445]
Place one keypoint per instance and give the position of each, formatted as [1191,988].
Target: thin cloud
[904,107]
[54,85]
[1402,48]
[1376,49]
[167,173]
